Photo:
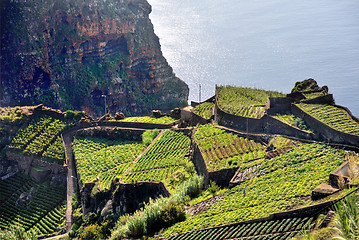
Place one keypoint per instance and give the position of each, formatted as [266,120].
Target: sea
[263,44]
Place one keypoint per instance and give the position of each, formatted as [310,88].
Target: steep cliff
[70,54]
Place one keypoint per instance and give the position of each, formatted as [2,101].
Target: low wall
[326,131]
[112,133]
[222,177]
[192,119]
[25,163]
[199,163]
[266,124]
[326,99]
[278,104]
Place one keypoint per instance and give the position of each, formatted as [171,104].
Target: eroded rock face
[77,54]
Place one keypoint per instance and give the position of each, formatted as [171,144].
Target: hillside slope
[68,54]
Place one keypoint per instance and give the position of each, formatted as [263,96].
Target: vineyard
[287,182]
[204,110]
[147,119]
[103,158]
[223,150]
[163,159]
[41,138]
[313,95]
[263,230]
[334,117]
[31,205]
[242,101]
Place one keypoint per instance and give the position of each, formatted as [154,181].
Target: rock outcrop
[83,55]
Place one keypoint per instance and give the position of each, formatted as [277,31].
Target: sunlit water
[266,44]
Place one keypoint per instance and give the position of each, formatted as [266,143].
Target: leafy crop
[147,119]
[204,110]
[43,211]
[286,228]
[289,177]
[334,117]
[165,157]
[241,101]
[292,120]
[106,159]
[41,138]
[223,150]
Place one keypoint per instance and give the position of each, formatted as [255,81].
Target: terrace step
[323,190]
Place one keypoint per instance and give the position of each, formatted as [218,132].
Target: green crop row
[292,120]
[50,223]
[55,152]
[315,95]
[43,201]
[204,110]
[96,156]
[274,229]
[148,119]
[222,150]
[334,117]
[231,99]
[165,157]
[288,178]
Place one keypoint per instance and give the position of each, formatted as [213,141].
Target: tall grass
[158,213]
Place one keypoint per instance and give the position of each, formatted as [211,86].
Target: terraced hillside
[31,205]
[287,183]
[164,159]
[41,138]
[282,229]
[333,116]
[245,102]
[204,110]
[102,159]
[223,150]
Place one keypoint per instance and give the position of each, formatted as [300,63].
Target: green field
[204,110]
[243,101]
[104,159]
[288,179]
[147,119]
[223,150]
[44,211]
[334,117]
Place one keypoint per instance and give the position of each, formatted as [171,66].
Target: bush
[172,213]
[69,114]
[149,135]
[92,232]
[213,188]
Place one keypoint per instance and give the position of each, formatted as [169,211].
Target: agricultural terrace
[223,150]
[104,159]
[41,138]
[244,101]
[287,183]
[334,117]
[43,211]
[12,114]
[165,159]
[148,119]
[264,230]
[204,110]
[292,120]
[315,95]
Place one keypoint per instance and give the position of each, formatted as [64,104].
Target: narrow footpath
[71,179]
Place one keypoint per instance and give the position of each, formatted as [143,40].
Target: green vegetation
[223,150]
[334,117]
[42,212]
[242,101]
[315,95]
[264,230]
[147,119]
[9,114]
[292,120]
[16,232]
[159,213]
[41,138]
[288,178]
[103,158]
[204,110]
[165,158]
[149,136]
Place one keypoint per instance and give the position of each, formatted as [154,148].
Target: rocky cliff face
[70,54]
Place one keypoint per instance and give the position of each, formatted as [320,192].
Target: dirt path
[71,179]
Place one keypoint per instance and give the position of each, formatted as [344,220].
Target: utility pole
[199,93]
[104,96]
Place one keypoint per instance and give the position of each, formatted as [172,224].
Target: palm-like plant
[347,219]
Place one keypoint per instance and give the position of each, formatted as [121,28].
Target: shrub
[213,188]
[69,114]
[92,232]
[149,135]
[172,213]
